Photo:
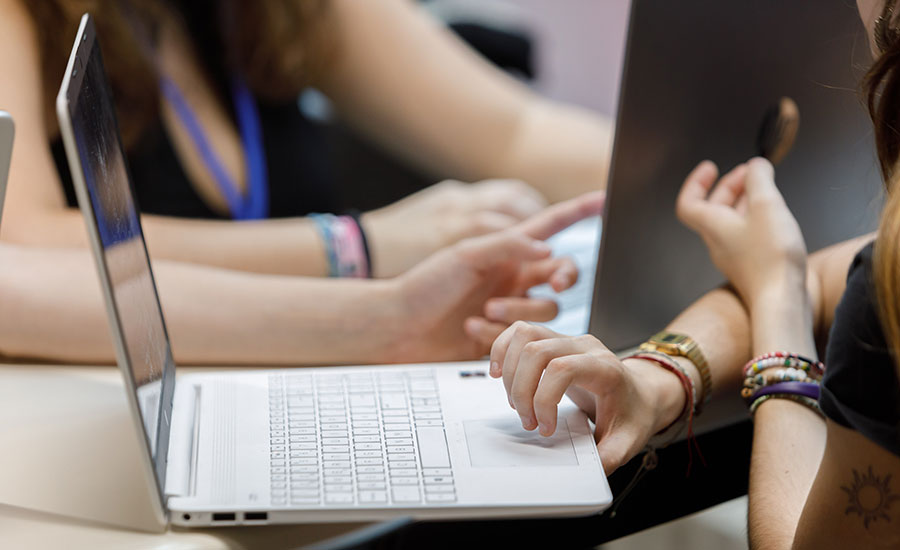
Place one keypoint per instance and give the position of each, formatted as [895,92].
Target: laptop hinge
[183,440]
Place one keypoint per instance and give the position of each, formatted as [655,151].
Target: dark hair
[277,46]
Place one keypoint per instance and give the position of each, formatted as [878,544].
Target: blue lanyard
[253,205]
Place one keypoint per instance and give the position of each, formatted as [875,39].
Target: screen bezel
[85,42]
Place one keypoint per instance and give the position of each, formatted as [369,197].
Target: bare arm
[412,86]
[36,212]
[51,308]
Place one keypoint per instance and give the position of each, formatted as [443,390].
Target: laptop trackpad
[502,442]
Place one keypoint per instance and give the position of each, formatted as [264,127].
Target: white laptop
[7,133]
[302,445]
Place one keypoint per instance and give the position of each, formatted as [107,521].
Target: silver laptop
[302,445]
[698,79]
[7,133]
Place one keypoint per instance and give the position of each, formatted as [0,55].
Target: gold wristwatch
[680,345]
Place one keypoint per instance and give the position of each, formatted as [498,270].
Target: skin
[804,470]
[719,322]
[51,307]
[491,127]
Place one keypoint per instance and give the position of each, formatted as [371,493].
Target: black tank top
[300,178]
[860,390]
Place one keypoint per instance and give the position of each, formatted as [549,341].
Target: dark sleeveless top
[300,178]
[860,390]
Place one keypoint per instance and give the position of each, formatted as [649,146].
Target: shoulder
[860,389]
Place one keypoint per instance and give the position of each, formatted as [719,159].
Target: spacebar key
[433,447]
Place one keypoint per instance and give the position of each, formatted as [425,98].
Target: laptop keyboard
[368,438]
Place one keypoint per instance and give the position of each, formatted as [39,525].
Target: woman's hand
[752,237]
[455,303]
[628,401]
[408,231]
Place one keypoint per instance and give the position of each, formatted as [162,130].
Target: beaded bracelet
[772,376]
[802,399]
[783,359]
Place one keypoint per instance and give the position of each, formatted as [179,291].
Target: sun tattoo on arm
[870,497]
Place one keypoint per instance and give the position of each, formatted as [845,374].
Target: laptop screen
[139,329]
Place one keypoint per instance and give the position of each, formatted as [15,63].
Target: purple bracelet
[806,389]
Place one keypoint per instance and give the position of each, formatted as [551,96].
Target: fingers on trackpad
[503,443]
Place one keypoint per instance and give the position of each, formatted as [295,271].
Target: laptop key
[439,489]
[434,480]
[366,497]
[402,457]
[405,481]
[440,497]
[338,498]
[405,494]
[369,477]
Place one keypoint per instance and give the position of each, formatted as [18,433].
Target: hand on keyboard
[629,401]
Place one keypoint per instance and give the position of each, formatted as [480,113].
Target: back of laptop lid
[698,79]
[100,174]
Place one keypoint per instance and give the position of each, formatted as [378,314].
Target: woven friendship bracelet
[802,399]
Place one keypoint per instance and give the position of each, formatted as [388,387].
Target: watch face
[670,338]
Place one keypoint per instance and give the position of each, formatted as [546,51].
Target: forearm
[561,150]
[789,438]
[450,111]
[51,308]
[290,246]
[788,444]
[720,325]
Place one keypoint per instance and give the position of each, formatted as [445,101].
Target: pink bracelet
[344,245]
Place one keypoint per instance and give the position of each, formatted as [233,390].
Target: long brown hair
[881,88]
[277,46]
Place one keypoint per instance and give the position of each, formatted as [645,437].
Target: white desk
[24,528]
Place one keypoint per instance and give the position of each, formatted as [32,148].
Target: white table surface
[27,528]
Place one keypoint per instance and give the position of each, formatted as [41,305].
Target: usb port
[223,516]
[256,516]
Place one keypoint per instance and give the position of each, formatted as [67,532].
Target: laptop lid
[102,183]
[698,78]
[7,133]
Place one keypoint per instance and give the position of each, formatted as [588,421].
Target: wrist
[787,287]
[662,390]
[380,322]
[782,319]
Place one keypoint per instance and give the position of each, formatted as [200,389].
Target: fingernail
[540,246]
[495,368]
[511,404]
[544,429]
[495,310]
